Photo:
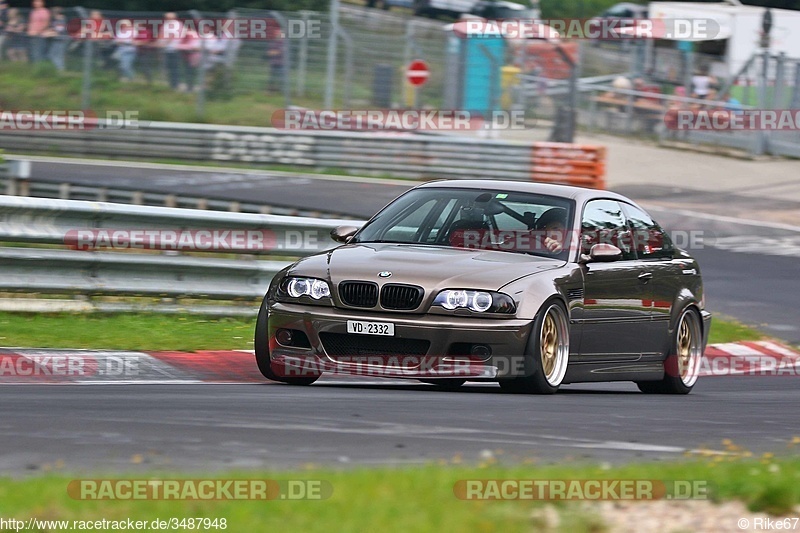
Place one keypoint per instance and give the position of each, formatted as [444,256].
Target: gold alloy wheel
[548,342]
[685,347]
[689,348]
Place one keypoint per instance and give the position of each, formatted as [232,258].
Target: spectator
[701,85]
[214,48]
[17,45]
[94,31]
[38,24]
[3,21]
[125,52]
[275,55]
[169,41]
[620,83]
[732,104]
[59,39]
[191,54]
[146,51]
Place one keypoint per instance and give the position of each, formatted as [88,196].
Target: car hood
[432,267]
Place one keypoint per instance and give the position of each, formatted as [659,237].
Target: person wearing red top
[38,24]
[169,41]
[191,52]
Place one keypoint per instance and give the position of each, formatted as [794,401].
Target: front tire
[263,360]
[547,353]
[682,365]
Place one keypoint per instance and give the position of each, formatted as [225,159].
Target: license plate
[370,328]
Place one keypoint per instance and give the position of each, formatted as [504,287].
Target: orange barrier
[569,164]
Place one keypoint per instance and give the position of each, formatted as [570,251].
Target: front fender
[531,292]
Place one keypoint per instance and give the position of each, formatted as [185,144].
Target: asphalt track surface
[360,198]
[341,422]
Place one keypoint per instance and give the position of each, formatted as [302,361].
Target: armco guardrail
[48,221]
[398,154]
[238,274]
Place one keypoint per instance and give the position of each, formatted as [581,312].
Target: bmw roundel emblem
[384,274]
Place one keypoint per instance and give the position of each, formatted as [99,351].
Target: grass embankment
[40,87]
[416,499]
[189,332]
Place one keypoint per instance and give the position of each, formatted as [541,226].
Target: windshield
[476,219]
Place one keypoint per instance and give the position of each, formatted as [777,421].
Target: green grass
[410,499]
[125,331]
[729,330]
[188,332]
[41,87]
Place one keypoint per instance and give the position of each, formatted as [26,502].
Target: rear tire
[683,360]
[263,360]
[546,355]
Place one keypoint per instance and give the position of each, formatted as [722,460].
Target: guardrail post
[18,172]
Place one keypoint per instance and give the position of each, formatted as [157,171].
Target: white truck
[741,25]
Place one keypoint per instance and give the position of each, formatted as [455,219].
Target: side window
[649,240]
[604,222]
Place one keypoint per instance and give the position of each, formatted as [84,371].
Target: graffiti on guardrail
[263,148]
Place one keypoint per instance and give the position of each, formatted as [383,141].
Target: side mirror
[343,234]
[602,253]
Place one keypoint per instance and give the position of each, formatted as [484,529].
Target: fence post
[302,60]
[348,64]
[761,136]
[200,77]
[795,102]
[780,75]
[331,60]
[687,75]
[88,56]
[286,58]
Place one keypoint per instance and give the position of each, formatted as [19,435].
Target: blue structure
[474,64]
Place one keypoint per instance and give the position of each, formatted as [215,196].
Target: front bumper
[506,339]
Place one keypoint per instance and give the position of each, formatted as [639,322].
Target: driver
[553,227]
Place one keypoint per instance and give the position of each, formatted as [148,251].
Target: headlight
[315,288]
[478,301]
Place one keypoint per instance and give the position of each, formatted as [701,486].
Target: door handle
[645,276]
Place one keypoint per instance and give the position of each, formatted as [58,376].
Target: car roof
[579,194]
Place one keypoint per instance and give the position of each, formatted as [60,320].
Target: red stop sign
[417,72]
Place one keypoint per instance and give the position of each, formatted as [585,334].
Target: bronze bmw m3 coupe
[529,285]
